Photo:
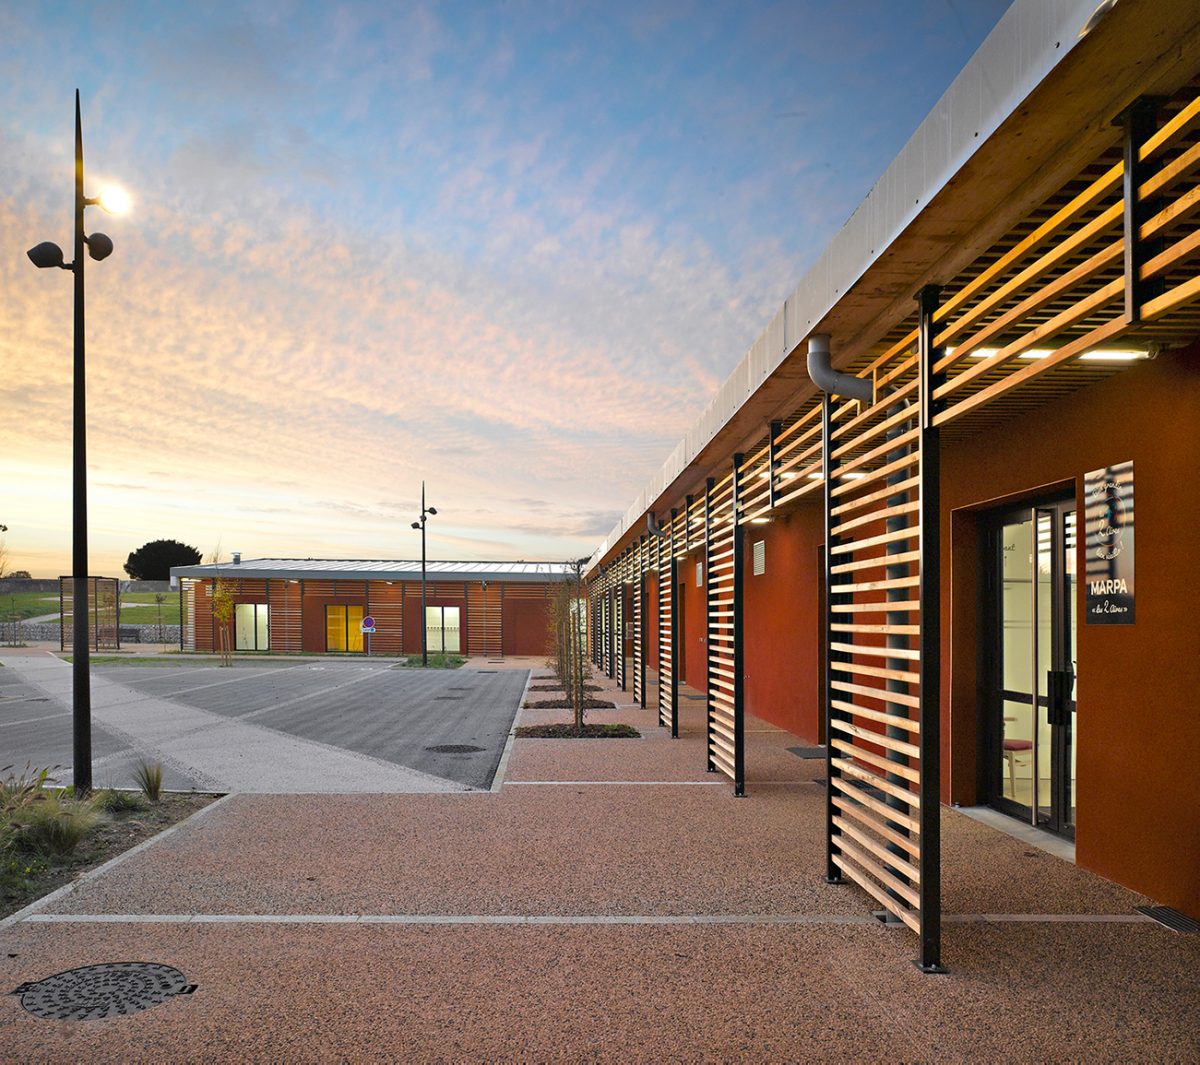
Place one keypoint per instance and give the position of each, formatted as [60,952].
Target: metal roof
[378,569]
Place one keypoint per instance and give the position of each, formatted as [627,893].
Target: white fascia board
[1028,42]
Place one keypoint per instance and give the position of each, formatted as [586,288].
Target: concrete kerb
[502,765]
[112,863]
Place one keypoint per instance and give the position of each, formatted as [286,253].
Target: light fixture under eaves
[1101,355]
[1098,355]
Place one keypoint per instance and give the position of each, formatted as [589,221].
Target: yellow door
[335,628]
[354,633]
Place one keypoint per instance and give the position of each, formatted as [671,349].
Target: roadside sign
[368,624]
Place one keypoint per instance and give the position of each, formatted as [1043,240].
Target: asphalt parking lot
[281,726]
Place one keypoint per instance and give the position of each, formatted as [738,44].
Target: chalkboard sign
[1108,546]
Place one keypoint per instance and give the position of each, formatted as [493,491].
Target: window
[699,574]
[442,632]
[760,557]
[343,628]
[250,627]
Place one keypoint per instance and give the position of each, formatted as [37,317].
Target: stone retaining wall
[42,632]
[15,585]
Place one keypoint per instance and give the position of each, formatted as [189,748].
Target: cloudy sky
[509,248]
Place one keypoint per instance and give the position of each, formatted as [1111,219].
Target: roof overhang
[1032,106]
[376,570]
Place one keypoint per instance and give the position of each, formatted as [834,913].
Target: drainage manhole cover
[112,990]
[443,697]
[454,748]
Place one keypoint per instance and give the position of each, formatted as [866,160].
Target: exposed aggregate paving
[594,991]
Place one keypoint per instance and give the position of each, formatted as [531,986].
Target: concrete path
[611,902]
[220,752]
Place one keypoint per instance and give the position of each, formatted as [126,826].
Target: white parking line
[31,720]
[624,783]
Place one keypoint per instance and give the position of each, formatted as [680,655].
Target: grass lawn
[137,608]
[29,604]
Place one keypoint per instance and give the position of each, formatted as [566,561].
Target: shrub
[438,661]
[112,801]
[52,824]
[18,790]
[149,779]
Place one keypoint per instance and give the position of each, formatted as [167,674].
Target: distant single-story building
[320,605]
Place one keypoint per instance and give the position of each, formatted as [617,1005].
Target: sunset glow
[509,250]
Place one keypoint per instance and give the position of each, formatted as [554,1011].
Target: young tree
[568,646]
[153,561]
[222,608]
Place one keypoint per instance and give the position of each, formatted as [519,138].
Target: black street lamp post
[425,512]
[43,256]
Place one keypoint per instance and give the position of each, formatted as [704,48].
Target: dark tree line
[153,561]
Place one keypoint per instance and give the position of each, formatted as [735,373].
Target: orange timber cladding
[294,604]
[1109,257]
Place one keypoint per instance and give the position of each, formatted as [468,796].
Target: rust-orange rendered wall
[782,625]
[1138,725]
[693,632]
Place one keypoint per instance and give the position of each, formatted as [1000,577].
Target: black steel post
[424,624]
[833,875]
[739,707]
[1138,121]
[931,666]
[81,652]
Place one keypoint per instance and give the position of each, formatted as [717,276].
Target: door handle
[1058,684]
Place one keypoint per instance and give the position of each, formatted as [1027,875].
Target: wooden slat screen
[667,689]
[639,632]
[283,619]
[1059,296]
[873,573]
[1031,319]
[187,592]
[619,630]
[484,611]
[722,597]
[103,611]
[606,621]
